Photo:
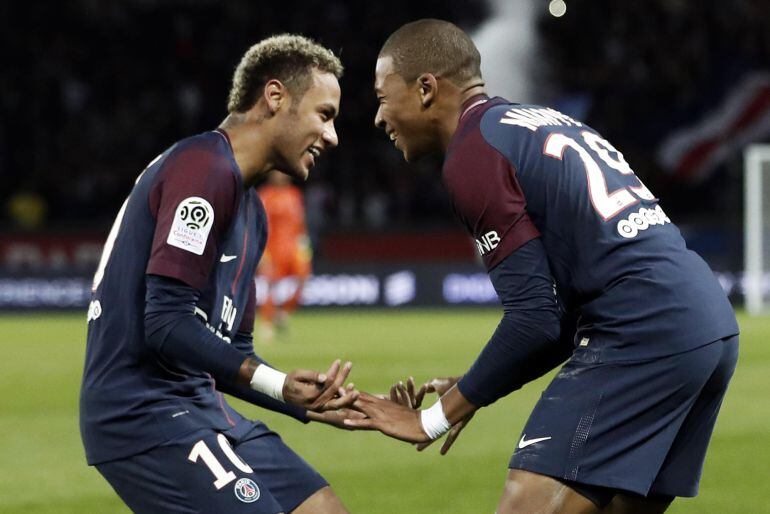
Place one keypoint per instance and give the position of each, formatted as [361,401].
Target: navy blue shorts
[211,472]
[639,426]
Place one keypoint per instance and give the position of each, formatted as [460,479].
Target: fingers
[349,414]
[312,390]
[415,397]
[454,433]
[422,446]
[399,395]
[393,394]
[354,414]
[308,376]
[366,403]
[331,375]
[330,389]
[365,400]
[346,397]
[419,395]
[369,398]
[348,389]
[443,384]
[439,385]
[450,438]
[360,423]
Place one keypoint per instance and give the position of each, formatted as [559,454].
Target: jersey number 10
[605,203]
[223,477]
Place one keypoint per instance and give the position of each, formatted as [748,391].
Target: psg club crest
[246,490]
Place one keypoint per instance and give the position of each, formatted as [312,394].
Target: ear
[275,95]
[428,85]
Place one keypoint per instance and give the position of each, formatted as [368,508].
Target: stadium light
[557,8]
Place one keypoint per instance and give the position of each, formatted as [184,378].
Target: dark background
[91,91]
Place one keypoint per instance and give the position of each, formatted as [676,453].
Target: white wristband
[268,381]
[434,422]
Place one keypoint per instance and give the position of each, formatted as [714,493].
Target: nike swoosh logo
[526,442]
[227,258]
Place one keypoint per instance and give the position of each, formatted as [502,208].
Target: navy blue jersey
[189,218]
[517,172]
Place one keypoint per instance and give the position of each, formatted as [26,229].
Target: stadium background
[90,91]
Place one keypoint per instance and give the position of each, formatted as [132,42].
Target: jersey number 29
[606,204]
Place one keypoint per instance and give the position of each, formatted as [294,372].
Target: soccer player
[568,234]
[173,303]
[287,259]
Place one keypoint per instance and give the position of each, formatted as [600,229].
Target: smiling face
[401,113]
[307,126]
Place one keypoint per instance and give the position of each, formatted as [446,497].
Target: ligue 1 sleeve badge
[192,222]
[246,490]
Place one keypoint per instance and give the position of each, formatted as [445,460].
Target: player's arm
[244,342]
[526,343]
[408,395]
[193,200]
[487,197]
[331,416]
[177,335]
[524,346]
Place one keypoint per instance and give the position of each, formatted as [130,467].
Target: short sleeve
[193,200]
[487,198]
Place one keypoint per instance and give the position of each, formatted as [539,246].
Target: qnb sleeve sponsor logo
[641,220]
[192,223]
[487,242]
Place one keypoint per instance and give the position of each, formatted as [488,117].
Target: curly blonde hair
[286,57]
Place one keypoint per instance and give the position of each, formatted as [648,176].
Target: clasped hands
[396,415]
[322,394]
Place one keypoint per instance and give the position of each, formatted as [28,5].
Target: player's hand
[319,391]
[402,394]
[336,418]
[390,418]
[439,386]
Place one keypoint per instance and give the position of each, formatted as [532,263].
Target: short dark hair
[286,57]
[433,46]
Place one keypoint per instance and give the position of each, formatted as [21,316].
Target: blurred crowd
[92,90]
[636,71]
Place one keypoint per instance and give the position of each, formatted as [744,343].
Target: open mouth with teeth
[314,152]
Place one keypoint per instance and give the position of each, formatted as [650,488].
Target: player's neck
[448,128]
[250,150]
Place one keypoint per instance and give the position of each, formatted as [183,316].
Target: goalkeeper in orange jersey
[286,262]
